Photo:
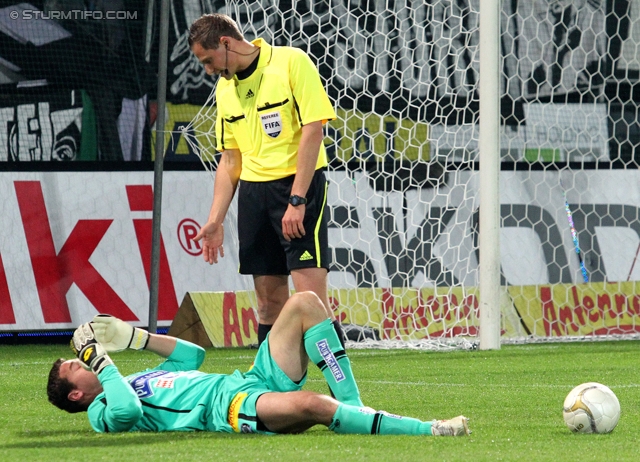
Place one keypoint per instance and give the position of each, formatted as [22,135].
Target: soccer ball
[591,408]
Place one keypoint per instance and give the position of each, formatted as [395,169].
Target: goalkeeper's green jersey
[171,397]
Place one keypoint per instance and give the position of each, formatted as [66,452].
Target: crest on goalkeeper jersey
[271,123]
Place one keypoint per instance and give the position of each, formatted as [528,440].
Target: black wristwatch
[297,200]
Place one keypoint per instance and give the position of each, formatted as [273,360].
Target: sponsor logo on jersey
[271,123]
[249,94]
[141,384]
[306,256]
[330,360]
[164,383]
[234,412]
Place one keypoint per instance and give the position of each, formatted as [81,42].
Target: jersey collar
[265,52]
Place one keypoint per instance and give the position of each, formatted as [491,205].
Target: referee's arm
[224,188]
[308,151]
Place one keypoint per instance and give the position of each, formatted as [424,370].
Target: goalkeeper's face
[81,378]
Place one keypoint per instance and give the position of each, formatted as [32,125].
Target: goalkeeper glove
[84,345]
[116,335]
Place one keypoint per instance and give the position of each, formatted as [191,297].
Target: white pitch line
[475,385]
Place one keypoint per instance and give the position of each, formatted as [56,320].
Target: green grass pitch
[512,396]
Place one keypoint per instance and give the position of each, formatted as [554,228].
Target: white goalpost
[482,162]
[489,154]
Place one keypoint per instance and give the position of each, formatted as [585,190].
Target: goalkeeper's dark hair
[208,29]
[58,390]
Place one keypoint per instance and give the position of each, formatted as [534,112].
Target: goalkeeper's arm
[117,335]
[121,409]
[181,355]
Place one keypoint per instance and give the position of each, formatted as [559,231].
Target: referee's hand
[212,237]
[292,226]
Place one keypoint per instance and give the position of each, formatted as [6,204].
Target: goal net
[404,169]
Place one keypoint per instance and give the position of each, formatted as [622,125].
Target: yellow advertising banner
[564,310]
[546,311]
[368,134]
[409,314]
[229,319]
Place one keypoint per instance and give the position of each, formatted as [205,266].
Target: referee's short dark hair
[208,28]
[58,390]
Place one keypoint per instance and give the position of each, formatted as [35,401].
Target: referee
[271,107]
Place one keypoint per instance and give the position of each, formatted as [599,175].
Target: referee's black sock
[263,330]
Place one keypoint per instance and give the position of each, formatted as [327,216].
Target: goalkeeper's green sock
[325,350]
[365,421]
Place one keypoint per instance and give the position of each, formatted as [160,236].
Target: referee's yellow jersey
[262,115]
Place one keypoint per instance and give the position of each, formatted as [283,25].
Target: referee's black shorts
[263,249]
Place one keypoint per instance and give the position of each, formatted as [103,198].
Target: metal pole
[158,165]
[489,147]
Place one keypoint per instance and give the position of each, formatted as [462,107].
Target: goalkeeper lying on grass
[175,396]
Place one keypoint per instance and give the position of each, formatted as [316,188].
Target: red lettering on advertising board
[421,312]
[55,273]
[549,319]
[598,312]
[587,311]
[434,308]
[621,301]
[412,320]
[590,309]
[565,317]
[6,308]
[141,200]
[187,230]
[578,307]
[230,322]
[635,304]
[245,327]
[606,306]
[388,319]
[470,304]
[249,322]
[448,302]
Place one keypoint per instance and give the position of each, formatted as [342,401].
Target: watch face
[297,200]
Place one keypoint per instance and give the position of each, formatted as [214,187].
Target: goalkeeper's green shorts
[242,415]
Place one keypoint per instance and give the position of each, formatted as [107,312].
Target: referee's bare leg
[272,292]
[315,280]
